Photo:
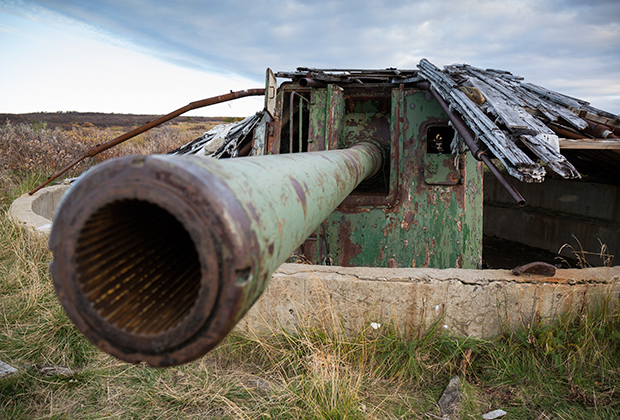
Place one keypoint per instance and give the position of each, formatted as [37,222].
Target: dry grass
[587,259]
[24,148]
[565,370]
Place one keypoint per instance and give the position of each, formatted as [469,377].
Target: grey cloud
[550,40]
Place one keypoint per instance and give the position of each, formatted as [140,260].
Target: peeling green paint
[432,225]
[424,209]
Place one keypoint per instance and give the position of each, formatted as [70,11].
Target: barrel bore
[149,280]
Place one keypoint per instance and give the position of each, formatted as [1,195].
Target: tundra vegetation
[568,368]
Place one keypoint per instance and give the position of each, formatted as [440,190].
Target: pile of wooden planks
[512,117]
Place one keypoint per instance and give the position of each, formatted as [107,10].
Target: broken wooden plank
[559,104]
[516,162]
[558,98]
[497,82]
[506,111]
[503,101]
[514,116]
[542,145]
[590,144]
[601,118]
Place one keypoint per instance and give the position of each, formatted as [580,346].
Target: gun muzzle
[157,258]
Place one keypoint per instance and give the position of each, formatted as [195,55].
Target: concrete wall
[463,302]
[36,211]
[555,211]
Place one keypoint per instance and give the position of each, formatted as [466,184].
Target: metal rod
[600,130]
[308,82]
[470,141]
[124,137]
[291,123]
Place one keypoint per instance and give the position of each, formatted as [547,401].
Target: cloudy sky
[136,56]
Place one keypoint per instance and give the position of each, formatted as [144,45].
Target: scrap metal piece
[537,267]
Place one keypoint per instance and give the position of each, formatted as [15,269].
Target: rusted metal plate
[427,225]
[326,111]
[440,170]
[271,87]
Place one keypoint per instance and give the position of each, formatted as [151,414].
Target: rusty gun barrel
[157,258]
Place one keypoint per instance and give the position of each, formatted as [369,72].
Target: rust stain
[389,227]
[348,249]
[301,195]
[391,263]
[460,190]
[381,256]
[446,198]
[408,220]
[281,226]
[253,212]
[351,209]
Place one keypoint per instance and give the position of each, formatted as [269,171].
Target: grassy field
[567,370]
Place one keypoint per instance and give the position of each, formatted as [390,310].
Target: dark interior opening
[137,266]
[367,117]
[295,123]
[438,139]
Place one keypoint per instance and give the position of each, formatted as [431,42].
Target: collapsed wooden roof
[528,127]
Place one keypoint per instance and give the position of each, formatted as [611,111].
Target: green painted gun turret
[157,258]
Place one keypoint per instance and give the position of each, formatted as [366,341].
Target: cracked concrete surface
[478,303]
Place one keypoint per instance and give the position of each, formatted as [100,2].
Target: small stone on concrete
[493,414]
[6,370]
[449,401]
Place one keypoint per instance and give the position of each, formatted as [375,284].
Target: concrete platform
[478,303]
[35,212]
[475,303]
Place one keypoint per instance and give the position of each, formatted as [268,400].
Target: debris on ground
[450,400]
[537,267]
[6,370]
[54,370]
[493,414]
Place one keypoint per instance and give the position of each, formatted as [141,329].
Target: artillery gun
[157,258]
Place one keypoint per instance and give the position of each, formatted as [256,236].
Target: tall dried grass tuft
[585,258]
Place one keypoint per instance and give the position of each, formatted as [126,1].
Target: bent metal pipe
[131,134]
